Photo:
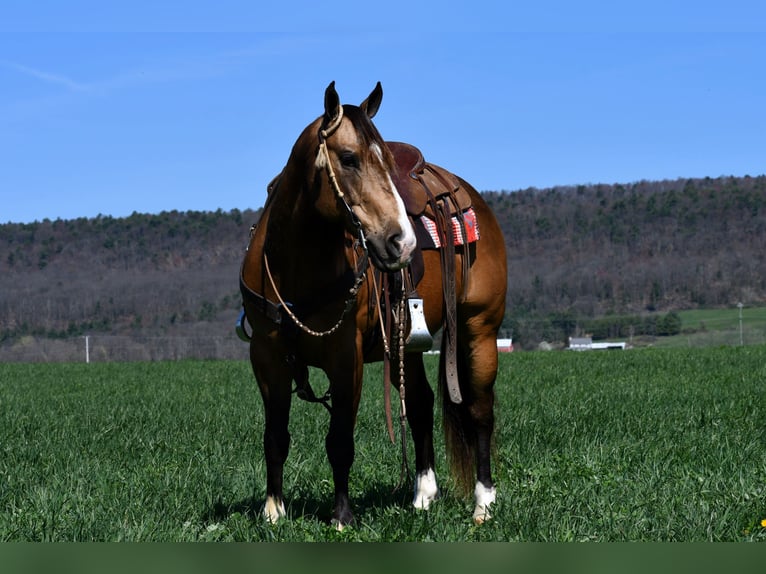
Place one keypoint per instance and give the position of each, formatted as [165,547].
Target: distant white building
[587,344]
[505,345]
[580,343]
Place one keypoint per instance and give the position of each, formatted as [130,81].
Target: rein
[353,291]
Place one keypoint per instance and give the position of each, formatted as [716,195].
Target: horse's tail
[459,432]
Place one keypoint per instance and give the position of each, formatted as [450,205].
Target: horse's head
[358,183]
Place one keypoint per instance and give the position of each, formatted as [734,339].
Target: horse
[311,298]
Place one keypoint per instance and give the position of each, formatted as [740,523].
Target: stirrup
[419,338]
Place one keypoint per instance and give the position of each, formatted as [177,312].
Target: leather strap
[441,209]
[270,309]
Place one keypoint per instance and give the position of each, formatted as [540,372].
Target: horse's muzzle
[391,254]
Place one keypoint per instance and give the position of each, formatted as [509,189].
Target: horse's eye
[349,159]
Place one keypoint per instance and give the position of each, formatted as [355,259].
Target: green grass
[718,327]
[715,327]
[722,319]
[652,444]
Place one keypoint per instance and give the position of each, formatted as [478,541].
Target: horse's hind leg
[478,365]
[469,425]
[419,403]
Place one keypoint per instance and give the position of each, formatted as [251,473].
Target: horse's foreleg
[346,386]
[419,403]
[340,452]
[274,385]
[276,443]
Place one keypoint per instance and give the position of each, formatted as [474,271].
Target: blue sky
[112,108]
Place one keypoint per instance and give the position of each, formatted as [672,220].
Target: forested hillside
[606,250]
[167,275]
[575,253]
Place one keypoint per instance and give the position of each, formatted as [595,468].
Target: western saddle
[431,191]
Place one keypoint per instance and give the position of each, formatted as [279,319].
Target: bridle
[362,265]
[360,243]
[400,314]
[324,133]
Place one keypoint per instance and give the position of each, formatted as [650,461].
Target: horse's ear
[372,103]
[331,105]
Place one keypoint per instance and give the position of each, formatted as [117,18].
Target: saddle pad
[430,238]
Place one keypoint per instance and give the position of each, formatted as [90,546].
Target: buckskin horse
[344,199]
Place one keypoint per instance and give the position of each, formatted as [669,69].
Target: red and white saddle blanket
[430,238]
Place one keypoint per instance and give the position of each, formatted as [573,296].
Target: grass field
[655,444]
[718,327]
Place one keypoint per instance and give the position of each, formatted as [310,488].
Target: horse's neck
[304,250]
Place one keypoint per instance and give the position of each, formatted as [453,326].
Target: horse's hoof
[426,490]
[342,517]
[481,515]
[484,499]
[274,509]
[339,526]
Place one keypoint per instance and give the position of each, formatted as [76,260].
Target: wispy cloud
[45,76]
[212,66]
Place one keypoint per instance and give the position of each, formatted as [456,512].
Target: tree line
[632,249]
[597,259]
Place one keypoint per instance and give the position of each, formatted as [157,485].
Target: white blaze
[407,239]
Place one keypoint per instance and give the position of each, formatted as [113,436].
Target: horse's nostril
[394,245]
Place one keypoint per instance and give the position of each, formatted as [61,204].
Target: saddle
[431,191]
[420,183]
